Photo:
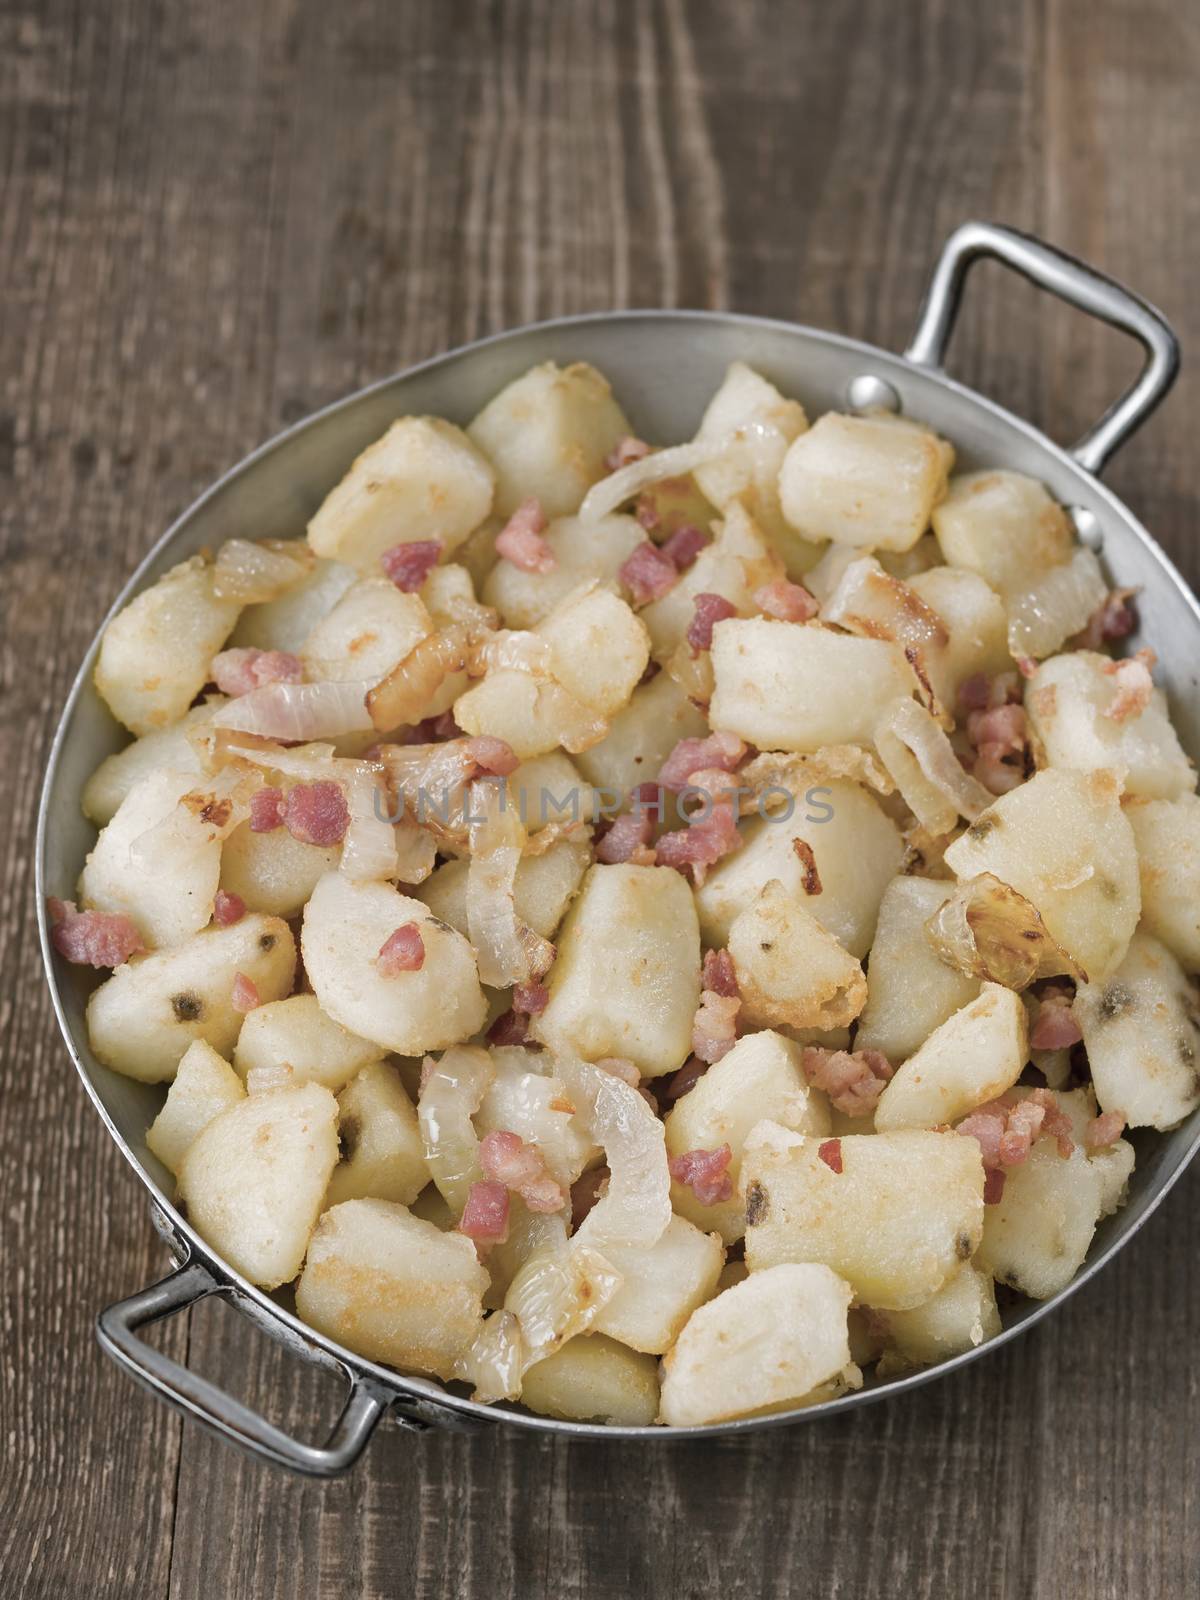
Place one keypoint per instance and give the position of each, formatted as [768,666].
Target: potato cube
[254,1177]
[582,551]
[423,479]
[166,750]
[865,481]
[641,737]
[739,561]
[776,1340]
[383,1157]
[372,626]
[594,1379]
[798,686]
[272,872]
[976,627]
[1115,1162]
[760,1079]
[599,649]
[298,1032]
[155,654]
[973,1057]
[392,1287]
[790,970]
[897,1222]
[543,888]
[547,435]
[627,978]
[542,790]
[910,990]
[286,623]
[1167,834]
[661,1285]
[1036,1237]
[204,1086]
[956,1319]
[1062,841]
[856,848]
[1003,526]
[532,714]
[345,926]
[1140,1030]
[1069,700]
[142,1019]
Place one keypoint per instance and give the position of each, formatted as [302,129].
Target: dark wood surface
[216,217]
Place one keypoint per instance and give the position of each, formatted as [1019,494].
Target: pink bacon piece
[790,602]
[237,672]
[507,1159]
[401,951]
[705,1173]
[92,938]
[492,755]
[714,1027]
[244,995]
[684,545]
[1007,1128]
[709,609]
[628,839]
[647,574]
[719,974]
[1103,1131]
[700,845]
[530,998]
[853,1079]
[509,1028]
[316,813]
[1114,618]
[718,752]
[1054,1026]
[685,1080]
[520,540]
[830,1152]
[266,810]
[227,908]
[485,1215]
[409,564]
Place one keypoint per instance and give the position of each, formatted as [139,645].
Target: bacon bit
[485,1215]
[1103,1131]
[1114,618]
[709,610]
[645,509]
[647,574]
[506,1158]
[430,730]
[808,861]
[585,1192]
[790,602]
[237,672]
[830,1152]
[520,540]
[620,1067]
[244,995]
[994,772]
[92,938]
[1135,686]
[625,452]
[509,1028]
[1026,665]
[228,908]
[1007,1128]
[714,1027]
[628,839]
[705,1172]
[409,564]
[997,731]
[853,1079]
[402,951]
[719,751]
[719,973]
[492,755]
[684,545]
[1000,725]
[530,998]
[316,813]
[993,1186]
[700,845]
[685,1080]
[974,693]
[1054,1026]
[266,810]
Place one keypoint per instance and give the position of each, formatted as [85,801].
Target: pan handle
[117,1330]
[1079,285]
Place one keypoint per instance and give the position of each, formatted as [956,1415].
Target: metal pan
[663,365]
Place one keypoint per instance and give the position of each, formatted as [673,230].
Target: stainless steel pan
[663,365]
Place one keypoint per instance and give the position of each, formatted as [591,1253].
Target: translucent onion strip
[636,1208]
[987,930]
[607,496]
[450,1096]
[1044,616]
[253,573]
[369,847]
[495,1360]
[926,770]
[298,711]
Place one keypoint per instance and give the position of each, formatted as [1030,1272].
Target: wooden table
[214,219]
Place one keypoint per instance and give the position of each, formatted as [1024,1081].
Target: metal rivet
[868,392]
[1087,526]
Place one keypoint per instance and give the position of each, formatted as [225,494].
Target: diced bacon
[647,574]
[401,951]
[994,771]
[485,1215]
[993,1186]
[244,995]
[706,1173]
[790,602]
[1007,1128]
[409,564]
[228,908]
[586,1191]
[685,1080]
[808,863]
[830,1152]
[237,672]
[92,938]
[520,540]
[621,1067]
[530,998]
[509,1028]
[430,730]
[1024,1123]
[625,452]
[704,842]
[998,732]
[714,1027]
[316,813]
[1000,725]
[1054,1026]
[974,692]
[1057,1123]
[506,1158]
[1114,618]
[493,755]
[1135,686]
[684,545]
[628,839]
[266,810]
[645,509]
[718,973]
[1103,1131]
[709,609]
[853,1080]
[1026,665]
[722,751]
[987,1129]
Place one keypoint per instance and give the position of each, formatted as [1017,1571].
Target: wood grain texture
[215,218]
